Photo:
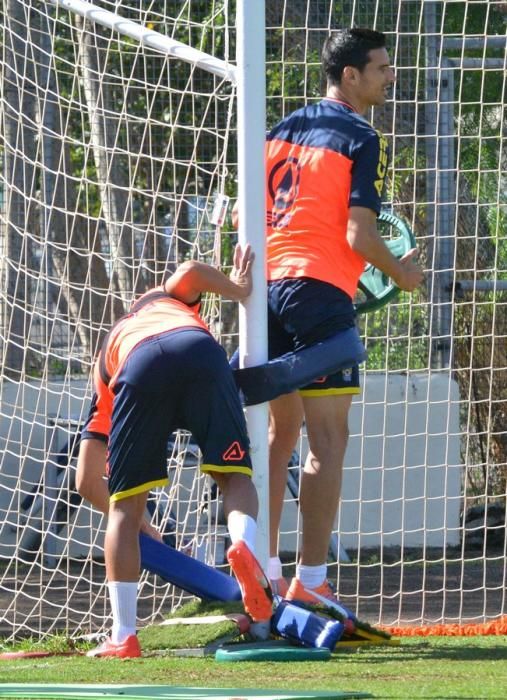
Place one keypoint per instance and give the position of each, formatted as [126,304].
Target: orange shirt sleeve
[98,423]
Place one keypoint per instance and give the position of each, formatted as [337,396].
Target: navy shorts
[303,311]
[179,379]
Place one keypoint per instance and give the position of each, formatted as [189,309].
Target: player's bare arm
[192,278]
[364,238]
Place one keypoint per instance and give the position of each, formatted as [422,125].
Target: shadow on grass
[427,652]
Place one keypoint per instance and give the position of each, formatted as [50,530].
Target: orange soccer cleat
[323,595]
[254,585]
[279,586]
[128,649]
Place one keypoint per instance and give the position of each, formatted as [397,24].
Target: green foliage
[289,77]
[475,17]
[397,336]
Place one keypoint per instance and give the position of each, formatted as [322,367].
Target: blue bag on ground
[304,627]
[186,572]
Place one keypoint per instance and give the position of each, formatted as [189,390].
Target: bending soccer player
[160,369]
[325,176]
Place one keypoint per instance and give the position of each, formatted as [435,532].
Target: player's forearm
[192,278]
[208,279]
[364,239]
[373,249]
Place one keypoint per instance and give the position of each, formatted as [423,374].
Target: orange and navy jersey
[154,313]
[320,161]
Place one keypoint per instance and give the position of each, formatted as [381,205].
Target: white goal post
[125,126]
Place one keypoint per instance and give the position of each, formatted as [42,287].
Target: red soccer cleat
[254,585]
[128,649]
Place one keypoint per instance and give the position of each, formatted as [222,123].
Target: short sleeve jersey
[320,161]
[152,314]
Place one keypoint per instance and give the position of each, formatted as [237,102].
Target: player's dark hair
[349,47]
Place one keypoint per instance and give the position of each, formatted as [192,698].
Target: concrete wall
[402,478]
[29,443]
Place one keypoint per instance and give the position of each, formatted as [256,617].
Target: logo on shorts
[347,374]
[320,380]
[234,453]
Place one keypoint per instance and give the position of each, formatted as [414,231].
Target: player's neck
[336,93]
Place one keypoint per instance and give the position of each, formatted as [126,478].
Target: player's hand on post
[411,274]
[235,215]
[148,529]
[241,273]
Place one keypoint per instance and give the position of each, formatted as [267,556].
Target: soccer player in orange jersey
[325,177]
[160,369]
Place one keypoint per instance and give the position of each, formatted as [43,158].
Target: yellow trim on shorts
[233,469]
[333,391]
[137,489]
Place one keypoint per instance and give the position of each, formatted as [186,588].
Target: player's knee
[283,438]
[329,441]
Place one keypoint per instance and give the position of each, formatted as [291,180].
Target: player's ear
[350,75]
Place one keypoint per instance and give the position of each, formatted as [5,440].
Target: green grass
[435,667]
[154,637]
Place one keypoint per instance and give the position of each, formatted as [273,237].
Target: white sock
[242,527]
[274,568]
[311,576]
[123,599]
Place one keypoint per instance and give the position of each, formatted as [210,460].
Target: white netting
[112,154]
[421,525]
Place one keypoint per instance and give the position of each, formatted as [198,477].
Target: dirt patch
[380,588]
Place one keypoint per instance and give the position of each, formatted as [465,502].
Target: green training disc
[375,289]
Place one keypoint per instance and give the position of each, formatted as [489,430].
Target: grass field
[434,667]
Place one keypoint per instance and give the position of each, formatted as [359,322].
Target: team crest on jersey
[347,374]
[283,187]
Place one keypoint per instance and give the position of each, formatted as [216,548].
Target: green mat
[163,692]
[270,650]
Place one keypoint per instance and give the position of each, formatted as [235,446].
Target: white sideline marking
[207,620]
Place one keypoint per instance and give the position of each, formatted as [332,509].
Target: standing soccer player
[159,370]
[325,177]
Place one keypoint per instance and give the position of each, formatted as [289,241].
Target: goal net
[118,150]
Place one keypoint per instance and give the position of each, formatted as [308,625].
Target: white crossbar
[148,37]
